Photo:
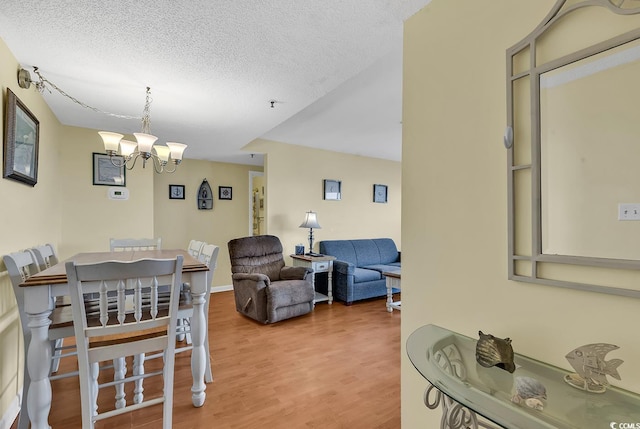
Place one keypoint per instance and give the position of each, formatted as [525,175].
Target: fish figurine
[591,368]
[529,392]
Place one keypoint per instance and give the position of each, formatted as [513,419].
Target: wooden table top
[57,274]
[314,258]
[394,274]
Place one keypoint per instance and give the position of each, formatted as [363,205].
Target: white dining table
[40,291]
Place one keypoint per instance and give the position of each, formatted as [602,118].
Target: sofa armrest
[294,273]
[343,267]
[256,277]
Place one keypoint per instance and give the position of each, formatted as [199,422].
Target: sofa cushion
[362,252]
[382,268]
[387,249]
[364,275]
[343,250]
[367,252]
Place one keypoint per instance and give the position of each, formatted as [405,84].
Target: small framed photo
[332,189]
[225,192]
[108,171]
[21,139]
[379,193]
[176,192]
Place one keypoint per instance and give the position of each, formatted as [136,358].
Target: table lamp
[311,221]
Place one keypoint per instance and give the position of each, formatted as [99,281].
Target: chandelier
[143,147]
[165,159]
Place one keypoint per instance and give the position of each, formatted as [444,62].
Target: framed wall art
[225,192]
[21,141]
[379,193]
[176,192]
[332,189]
[106,172]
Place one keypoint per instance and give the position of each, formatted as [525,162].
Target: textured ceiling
[333,67]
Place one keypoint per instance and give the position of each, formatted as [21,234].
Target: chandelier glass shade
[144,147]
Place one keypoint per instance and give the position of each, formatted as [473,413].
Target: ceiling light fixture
[144,145]
[130,151]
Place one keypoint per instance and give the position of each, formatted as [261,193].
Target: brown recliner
[265,289]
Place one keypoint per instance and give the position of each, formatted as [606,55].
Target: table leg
[198,328]
[330,285]
[389,296]
[38,364]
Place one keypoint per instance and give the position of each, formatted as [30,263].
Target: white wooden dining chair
[195,247]
[125,330]
[124,244]
[46,256]
[20,266]
[209,257]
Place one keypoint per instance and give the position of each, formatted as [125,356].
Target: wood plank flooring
[338,367]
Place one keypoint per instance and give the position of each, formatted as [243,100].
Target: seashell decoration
[529,392]
[492,351]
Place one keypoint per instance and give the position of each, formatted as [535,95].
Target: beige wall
[178,221]
[294,176]
[454,226]
[89,217]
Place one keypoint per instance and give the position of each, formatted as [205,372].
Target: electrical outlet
[628,211]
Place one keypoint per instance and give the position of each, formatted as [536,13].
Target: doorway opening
[256,203]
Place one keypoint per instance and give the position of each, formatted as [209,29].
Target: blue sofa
[358,268]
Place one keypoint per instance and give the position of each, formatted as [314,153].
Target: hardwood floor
[338,367]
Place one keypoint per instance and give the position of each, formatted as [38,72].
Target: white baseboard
[10,415]
[215,289]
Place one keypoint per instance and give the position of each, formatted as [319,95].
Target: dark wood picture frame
[21,142]
[380,193]
[225,192]
[176,192]
[105,173]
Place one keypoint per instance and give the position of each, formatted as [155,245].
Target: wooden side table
[394,280]
[319,264]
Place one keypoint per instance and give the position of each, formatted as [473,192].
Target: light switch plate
[629,211]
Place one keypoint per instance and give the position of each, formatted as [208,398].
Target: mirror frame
[531,265]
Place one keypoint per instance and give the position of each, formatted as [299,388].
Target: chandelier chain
[146,113]
[42,84]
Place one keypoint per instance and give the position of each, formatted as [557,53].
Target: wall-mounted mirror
[574,166]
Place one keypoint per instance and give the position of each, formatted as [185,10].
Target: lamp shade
[177,149]
[111,140]
[145,141]
[162,152]
[127,147]
[310,220]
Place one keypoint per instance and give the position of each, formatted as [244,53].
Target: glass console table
[447,361]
